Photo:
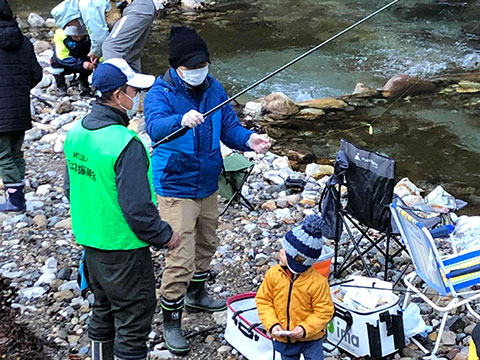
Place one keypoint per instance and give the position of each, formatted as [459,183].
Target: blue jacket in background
[189,167]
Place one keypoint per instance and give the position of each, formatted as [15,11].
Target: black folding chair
[235,171]
[369,178]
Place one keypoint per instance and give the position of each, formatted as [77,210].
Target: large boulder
[403,85]
[278,106]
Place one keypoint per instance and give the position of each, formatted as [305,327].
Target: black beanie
[6,13]
[187,48]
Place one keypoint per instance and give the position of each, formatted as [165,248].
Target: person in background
[128,35]
[70,56]
[186,172]
[19,73]
[114,214]
[294,301]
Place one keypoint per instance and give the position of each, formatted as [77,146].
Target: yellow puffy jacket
[305,302]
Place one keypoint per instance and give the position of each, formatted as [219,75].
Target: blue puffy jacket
[189,167]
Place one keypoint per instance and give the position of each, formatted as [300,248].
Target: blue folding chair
[450,276]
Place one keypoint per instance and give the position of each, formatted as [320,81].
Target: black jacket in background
[19,73]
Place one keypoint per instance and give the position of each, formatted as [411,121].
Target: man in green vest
[114,214]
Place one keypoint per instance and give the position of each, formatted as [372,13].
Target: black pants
[12,163]
[124,286]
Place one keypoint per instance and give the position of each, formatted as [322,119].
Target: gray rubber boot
[15,198]
[102,350]
[172,327]
[197,298]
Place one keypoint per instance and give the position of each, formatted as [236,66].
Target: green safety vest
[97,219]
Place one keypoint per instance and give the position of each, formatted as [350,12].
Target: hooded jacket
[19,73]
[305,301]
[189,167]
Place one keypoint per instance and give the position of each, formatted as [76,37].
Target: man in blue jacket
[186,172]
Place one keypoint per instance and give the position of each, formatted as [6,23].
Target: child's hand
[298,332]
[87,65]
[276,329]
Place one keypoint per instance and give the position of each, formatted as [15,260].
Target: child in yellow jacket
[294,301]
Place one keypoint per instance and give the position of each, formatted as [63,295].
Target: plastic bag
[467,233]
[413,323]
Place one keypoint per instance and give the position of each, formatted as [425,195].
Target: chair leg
[440,333]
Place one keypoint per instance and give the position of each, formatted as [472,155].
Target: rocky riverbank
[39,257]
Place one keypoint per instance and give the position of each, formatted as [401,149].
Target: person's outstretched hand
[259,143]
[192,119]
[174,241]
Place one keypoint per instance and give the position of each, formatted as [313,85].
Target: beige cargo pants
[196,222]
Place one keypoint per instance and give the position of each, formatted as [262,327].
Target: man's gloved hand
[259,143]
[192,119]
[174,241]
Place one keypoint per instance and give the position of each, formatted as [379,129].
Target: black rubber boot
[102,350]
[197,298]
[61,84]
[15,198]
[85,89]
[172,327]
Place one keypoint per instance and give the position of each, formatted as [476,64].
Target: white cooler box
[244,330]
[375,333]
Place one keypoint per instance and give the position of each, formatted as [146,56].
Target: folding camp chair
[446,275]
[369,178]
[235,171]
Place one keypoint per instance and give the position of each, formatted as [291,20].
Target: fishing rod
[180,132]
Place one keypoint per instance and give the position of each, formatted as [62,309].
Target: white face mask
[136,103]
[195,77]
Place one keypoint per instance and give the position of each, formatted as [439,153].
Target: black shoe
[102,350]
[15,199]
[61,84]
[197,298]
[172,327]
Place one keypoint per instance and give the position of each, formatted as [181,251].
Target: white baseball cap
[114,73]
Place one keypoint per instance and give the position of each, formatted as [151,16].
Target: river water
[248,39]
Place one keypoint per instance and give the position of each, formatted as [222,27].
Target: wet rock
[323,104]
[224,350]
[278,106]
[36,20]
[220,317]
[64,107]
[310,114]
[269,205]
[448,338]
[64,224]
[403,85]
[192,4]
[160,355]
[467,87]
[33,134]
[364,91]
[318,171]
[64,273]
[40,221]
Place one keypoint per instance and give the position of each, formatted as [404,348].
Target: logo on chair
[369,161]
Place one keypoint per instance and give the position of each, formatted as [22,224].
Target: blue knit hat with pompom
[303,244]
